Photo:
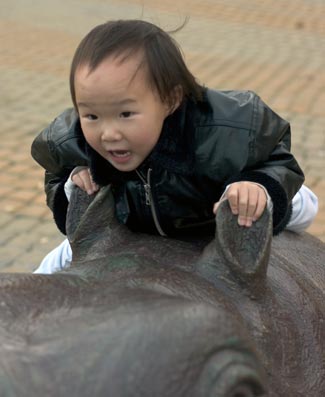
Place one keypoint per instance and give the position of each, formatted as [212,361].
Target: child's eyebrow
[125,101]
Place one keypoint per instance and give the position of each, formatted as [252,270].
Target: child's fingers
[247,200]
[261,204]
[255,205]
[90,185]
[243,207]
[84,180]
[232,195]
[250,199]
[215,207]
[77,180]
[233,198]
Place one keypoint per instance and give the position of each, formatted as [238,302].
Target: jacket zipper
[149,199]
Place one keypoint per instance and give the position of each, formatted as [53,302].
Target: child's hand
[82,178]
[247,200]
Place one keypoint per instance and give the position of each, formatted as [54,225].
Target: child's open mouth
[120,153]
[120,156]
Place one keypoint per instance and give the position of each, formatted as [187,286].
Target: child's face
[121,116]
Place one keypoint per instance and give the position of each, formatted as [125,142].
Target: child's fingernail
[89,191]
[241,221]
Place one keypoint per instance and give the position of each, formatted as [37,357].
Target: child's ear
[176,97]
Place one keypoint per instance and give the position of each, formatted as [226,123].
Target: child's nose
[111,133]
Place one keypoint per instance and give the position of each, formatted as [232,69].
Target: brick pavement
[275,48]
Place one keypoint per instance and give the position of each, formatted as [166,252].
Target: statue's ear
[245,250]
[91,224]
[78,205]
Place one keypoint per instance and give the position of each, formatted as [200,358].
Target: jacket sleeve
[56,198]
[271,163]
[59,148]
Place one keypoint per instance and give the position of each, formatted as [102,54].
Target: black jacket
[230,136]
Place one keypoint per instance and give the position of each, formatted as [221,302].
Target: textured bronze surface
[140,315]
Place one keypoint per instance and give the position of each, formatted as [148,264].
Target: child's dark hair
[162,55]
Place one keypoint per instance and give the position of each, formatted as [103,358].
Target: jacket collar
[173,151]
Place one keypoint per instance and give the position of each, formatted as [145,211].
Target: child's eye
[126,114]
[91,117]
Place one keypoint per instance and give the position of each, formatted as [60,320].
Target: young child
[169,147]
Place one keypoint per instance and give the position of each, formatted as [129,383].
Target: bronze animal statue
[140,315]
